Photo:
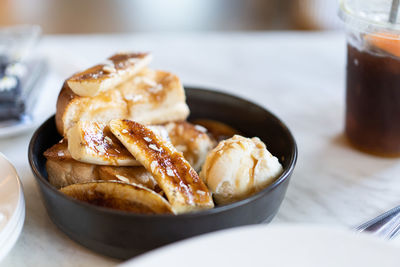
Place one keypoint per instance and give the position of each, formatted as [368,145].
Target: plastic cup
[372,77]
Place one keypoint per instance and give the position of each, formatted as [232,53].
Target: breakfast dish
[127,145]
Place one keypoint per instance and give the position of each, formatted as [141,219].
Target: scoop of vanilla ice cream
[239,167]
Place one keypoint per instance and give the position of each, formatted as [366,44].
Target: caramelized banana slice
[131,175]
[114,71]
[93,142]
[121,196]
[179,181]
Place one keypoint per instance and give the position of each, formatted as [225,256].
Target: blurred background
[119,16]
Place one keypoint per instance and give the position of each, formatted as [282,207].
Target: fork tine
[386,225]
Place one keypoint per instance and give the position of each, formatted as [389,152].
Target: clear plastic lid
[369,16]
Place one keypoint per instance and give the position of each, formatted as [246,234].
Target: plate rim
[348,234]
[12,229]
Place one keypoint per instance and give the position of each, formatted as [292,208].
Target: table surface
[298,76]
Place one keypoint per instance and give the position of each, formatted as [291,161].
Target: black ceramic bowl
[123,235]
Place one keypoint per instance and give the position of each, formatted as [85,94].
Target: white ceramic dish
[287,245]
[12,206]
[10,128]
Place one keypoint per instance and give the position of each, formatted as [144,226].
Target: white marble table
[298,76]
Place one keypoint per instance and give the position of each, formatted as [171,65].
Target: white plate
[41,111]
[12,206]
[11,128]
[264,245]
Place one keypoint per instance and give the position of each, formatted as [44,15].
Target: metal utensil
[386,225]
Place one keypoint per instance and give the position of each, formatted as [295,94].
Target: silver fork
[386,225]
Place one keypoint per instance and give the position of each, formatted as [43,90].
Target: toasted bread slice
[109,74]
[93,142]
[154,97]
[63,170]
[191,140]
[72,108]
[58,151]
[62,173]
[179,181]
[121,196]
[150,97]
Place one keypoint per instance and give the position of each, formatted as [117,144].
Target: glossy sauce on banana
[170,163]
[115,63]
[104,142]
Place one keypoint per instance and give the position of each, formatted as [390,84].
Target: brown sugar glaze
[104,142]
[183,177]
[119,62]
[218,130]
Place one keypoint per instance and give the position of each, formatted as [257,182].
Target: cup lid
[370,16]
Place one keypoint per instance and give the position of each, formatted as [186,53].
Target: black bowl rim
[285,174]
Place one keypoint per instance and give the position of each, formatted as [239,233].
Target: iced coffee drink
[373,98]
[372,82]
